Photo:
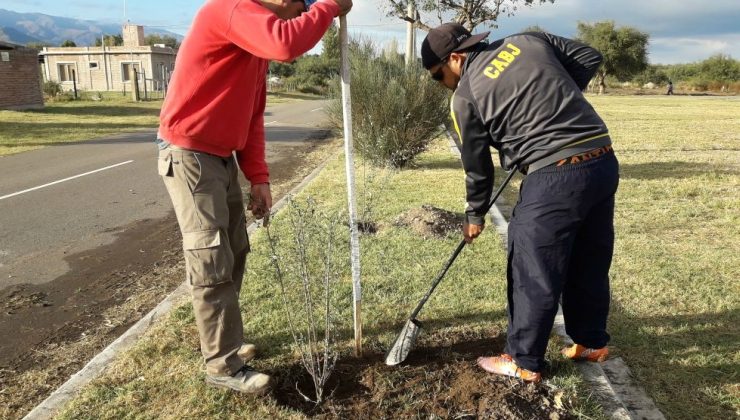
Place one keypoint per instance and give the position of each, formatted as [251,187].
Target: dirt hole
[368,228]
[431,222]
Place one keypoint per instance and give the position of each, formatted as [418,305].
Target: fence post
[143,77]
[134,78]
[74,82]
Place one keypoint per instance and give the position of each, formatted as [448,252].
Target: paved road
[70,198]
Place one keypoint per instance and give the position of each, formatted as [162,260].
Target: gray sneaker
[247,352]
[244,380]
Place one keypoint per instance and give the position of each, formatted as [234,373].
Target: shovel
[405,341]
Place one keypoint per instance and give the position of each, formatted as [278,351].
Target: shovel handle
[459,248]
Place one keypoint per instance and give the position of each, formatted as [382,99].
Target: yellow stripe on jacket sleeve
[454,118]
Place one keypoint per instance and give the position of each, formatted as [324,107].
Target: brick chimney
[133,35]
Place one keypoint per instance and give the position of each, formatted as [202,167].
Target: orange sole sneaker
[505,365]
[579,352]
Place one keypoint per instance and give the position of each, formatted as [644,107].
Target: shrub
[52,89]
[396,110]
[313,73]
[308,262]
[652,74]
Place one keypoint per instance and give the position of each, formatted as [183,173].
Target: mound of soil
[434,382]
[431,222]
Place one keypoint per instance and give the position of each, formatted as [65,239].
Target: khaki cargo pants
[208,203]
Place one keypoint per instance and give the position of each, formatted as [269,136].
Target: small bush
[52,89]
[91,96]
[396,110]
[308,264]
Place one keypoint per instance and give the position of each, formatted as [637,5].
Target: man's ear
[457,60]
[457,56]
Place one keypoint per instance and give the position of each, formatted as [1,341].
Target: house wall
[106,71]
[20,80]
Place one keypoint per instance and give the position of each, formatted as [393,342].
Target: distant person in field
[211,127]
[522,95]
[670,88]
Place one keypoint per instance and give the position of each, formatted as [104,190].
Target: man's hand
[344,6]
[260,201]
[471,232]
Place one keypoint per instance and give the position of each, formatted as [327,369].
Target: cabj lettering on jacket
[502,61]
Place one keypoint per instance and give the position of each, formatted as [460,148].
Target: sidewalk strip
[64,180]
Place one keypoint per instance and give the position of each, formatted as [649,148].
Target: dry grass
[675,277]
[676,272]
[70,121]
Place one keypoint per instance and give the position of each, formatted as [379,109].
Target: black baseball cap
[446,39]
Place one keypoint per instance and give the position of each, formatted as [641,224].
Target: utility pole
[410,34]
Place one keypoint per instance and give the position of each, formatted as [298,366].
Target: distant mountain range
[22,28]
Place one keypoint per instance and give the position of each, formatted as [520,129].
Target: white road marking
[317,109]
[63,180]
[271,122]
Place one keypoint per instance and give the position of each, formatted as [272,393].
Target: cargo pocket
[208,258]
[164,163]
[191,170]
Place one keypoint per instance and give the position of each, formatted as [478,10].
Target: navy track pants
[561,240]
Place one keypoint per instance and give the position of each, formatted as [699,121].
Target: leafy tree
[678,72]
[312,73]
[281,69]
[38,45]
[534,28]
[469,13]
[68,43]
[652,74]
[331,46]
[169,41]
[720,68]
[110,40]
[624,49]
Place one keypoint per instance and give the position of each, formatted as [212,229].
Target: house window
[4,56]
[126,70]
[93,64]
[66,72]
[162,69]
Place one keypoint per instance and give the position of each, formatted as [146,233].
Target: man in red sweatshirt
[211,125]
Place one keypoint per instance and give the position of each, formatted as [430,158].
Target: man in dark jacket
[522,95]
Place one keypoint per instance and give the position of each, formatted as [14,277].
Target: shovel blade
[404,343]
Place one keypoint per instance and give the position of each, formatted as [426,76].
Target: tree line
[113,40]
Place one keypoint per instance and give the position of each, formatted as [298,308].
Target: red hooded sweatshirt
[216,97]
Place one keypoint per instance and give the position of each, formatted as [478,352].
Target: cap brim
[472,41]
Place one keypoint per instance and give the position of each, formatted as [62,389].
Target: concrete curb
[611,381]
[97,366]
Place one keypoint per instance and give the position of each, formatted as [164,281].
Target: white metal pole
[350,169]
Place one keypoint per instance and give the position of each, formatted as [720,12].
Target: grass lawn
[69,121]
[676,296]
[676,270]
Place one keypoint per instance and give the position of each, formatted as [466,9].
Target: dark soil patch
[367,228]
[435,382]
[431,222]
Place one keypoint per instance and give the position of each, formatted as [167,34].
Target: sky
[680,31]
